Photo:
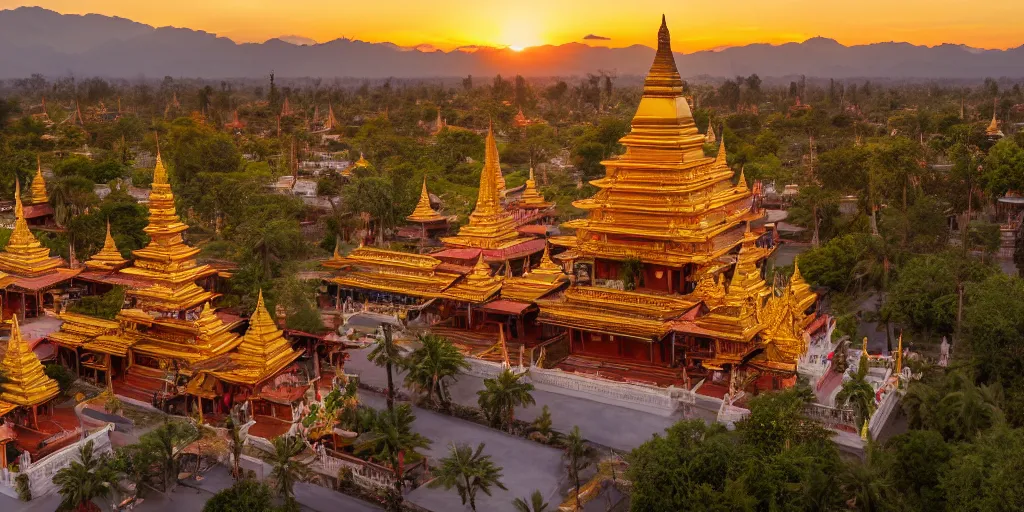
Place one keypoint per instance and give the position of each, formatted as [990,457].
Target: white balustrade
[41,472]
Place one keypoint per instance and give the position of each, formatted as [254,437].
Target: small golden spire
[109,257]
[423,211]
[26,382]
[481,269]
[24,255]
[39,195]
[159,172]
[362,162]
[531,198]
[741,182]
[993,127]
[899,355]
[864,431]
[722,158]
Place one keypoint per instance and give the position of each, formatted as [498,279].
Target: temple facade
[668,265]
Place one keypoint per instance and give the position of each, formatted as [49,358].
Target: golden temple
[26,385]
[993,131]
[24,255]
[424,213]
[167,263]
[39,195]
[490,225]
[109,258]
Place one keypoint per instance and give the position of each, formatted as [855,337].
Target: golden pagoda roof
[167,262]
[803,296]
[662,201]
[423,211]
[531,197]
[108,258]
[190,342]
[535,283]
[993,127]
[746,278]
[391,271]
[77,329]
[24,255]
[263,352]
[782,326]
[478,286]
[362,162]
[39,185]
[640,315]
[490,225]
[27,383]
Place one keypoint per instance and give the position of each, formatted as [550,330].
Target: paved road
[526,466]
[610,425]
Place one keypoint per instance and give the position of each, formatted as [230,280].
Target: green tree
[917,460]
[433,365]
[469,472]
[244,496]
[164,445]
[982,475]
[993,333]
[866,483]
[396,440]
[285,468]
[536,503]
[84,480]
[858,393]
[386,353]
[501,395]
[577,457]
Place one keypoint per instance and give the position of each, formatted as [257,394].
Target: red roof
[533,229]
[38,210]
[519,250]
[114,278]
[457,254]
[506,307]
[44,281]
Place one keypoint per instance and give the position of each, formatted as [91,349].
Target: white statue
[944,353]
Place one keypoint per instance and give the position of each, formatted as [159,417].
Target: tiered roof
[24,255]
[478,286]
[391,271]
[662,201]
[167,262]
[535,283]
[27,384]
[263,352]
[39,195]
[424,213]
[490,225]
[109,258]
[531,197]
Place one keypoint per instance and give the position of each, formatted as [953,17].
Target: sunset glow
[448,24]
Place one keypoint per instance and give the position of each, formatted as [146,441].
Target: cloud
[595,37]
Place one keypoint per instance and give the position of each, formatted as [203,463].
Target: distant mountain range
[36,40]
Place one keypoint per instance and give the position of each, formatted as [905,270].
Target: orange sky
[695,25]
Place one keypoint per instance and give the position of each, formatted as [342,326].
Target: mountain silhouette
[36,40]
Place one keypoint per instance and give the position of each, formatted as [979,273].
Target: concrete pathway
[526,466]
[610,425]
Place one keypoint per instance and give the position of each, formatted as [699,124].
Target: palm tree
[858,393]
[577,458]
[285,470]
[866,483]
[431,366]
[502,395]
[970,409]
[386,353]
[81,482]
[919,404]
[395,438]
[166,443]
[468,471]
[236,444]
[536,503]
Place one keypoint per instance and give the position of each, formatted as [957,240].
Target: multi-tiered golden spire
[663,200]
[490,225]
[39,185]
[531,197]
[746,280]
[803,296]
[423,211]
[27,383]
[478,286]
[993,130]
[24,255]
[109,258]
[263,352]
[167,262]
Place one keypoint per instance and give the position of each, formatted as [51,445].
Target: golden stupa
[167,263]
[490,225]
[108,259]
[531,197]
[24,255]
[423,212]
[663,201]
[535,283]
[27,384]
[478,286]
[993,131]
[39,195]
[263,352]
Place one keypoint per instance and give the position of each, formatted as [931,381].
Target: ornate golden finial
[741,183]
[663,74]
[19,210]
[899,355]
[39,195]
[864,431]
[481,269]
[864,346]
[722,158]
[159,172]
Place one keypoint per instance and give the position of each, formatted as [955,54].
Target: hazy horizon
[447,24]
